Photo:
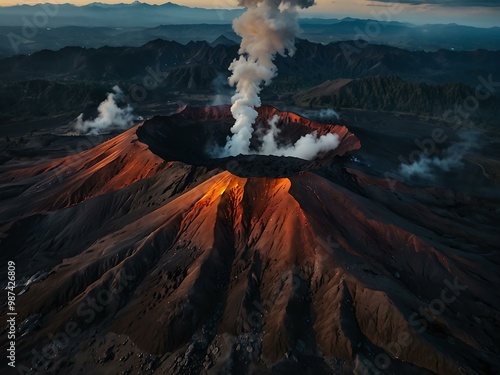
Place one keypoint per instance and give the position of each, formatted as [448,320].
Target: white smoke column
[110,115]
[307,147]
[267,27]
[269,144]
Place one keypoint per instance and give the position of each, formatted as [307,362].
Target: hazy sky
[482,13]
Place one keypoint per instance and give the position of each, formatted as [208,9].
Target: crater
[188,137]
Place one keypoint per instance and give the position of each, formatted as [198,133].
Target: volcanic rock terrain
[167,261]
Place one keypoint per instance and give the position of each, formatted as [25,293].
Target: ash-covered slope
[172,262]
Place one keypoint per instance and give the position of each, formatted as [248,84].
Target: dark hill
[391,94]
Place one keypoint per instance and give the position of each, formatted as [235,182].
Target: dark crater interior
[187,137]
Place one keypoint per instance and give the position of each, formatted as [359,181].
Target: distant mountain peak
[223,40]
[172,5]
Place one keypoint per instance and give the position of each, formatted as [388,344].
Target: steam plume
[267,27]
[322,114]
[222,90]
[109,115]
[426,166]
[307,147]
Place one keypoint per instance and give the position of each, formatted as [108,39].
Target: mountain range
[96,25]
[341,59]
[135,14]
[76,78]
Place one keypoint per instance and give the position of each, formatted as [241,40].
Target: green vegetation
[391,94]
[28,100]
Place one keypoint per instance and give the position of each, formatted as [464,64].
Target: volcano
[145,254]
